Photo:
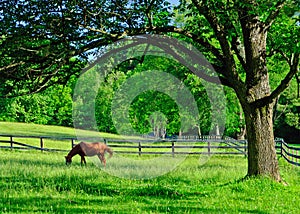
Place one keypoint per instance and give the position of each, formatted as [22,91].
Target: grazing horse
[89,149]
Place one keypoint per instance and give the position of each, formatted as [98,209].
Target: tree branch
[215,51]
[234,44]
[272,16]
[11,66]
[187,58]
[148,13]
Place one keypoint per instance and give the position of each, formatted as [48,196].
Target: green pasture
[40,182]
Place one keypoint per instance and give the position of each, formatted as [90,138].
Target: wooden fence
[13,142]
[290,153]
[207,145]
[191,145]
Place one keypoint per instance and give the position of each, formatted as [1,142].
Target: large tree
[43,43]
[239,35]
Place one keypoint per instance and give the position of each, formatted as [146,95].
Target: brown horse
[89,149]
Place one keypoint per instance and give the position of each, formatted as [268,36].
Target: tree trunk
[198,131]
[241,134]
[217,130]
[262,158]
[298,86]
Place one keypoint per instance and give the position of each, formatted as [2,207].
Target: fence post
[105,141]
[72,143]
[292,151]
[173,149]
[208,147]
[140,149]
[246,146]
[42,144]
[11,142]
[281,149]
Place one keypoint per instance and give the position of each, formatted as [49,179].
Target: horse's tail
[110,151]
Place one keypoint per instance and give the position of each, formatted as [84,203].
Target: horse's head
[68,160]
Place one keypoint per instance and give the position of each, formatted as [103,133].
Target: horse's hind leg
[102,159]
[104,162]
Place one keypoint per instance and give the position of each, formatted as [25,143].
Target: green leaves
[53,106]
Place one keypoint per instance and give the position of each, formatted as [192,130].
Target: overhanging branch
[215,51]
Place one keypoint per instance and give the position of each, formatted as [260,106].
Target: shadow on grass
[66,204]
[157,191]
[204,210]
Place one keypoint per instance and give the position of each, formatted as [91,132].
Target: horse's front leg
[82,160]
[102,159]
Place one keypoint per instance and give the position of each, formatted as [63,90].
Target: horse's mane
[75,150]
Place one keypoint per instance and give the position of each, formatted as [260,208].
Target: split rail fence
[207,145]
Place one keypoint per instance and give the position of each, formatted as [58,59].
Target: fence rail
[207,145]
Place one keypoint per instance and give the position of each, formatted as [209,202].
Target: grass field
[40,182]
[36,182]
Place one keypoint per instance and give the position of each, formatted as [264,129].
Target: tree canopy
[44,43]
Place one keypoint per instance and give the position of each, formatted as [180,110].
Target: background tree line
[158,115]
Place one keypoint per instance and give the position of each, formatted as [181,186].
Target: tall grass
[40,182]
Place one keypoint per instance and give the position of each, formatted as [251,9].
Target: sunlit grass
[40,182]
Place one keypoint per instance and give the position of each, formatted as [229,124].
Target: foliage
[104,100]
[234,115]
[287,119]
[155,101]
[52,107]
[45,43]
